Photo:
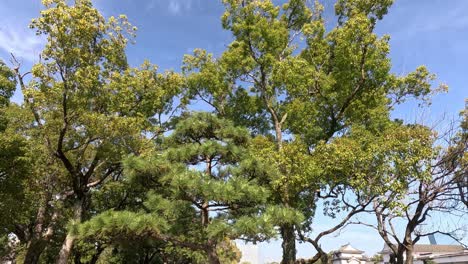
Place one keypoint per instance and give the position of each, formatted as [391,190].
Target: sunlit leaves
[7,84]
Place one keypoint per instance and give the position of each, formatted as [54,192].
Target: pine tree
[203,189]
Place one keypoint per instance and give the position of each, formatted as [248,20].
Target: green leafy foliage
[201,190]
[86,110]
[7,83]
[314,89]
[109,166]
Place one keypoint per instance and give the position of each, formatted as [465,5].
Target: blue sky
[429,32]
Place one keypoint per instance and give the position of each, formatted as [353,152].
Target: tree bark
[212,255]
[65,251]
[409,255]
[288,244]
[279,135]
[67,246]
[287,231]
[37,244]
[210,248]
[399,257]
[35,247]
[324,259]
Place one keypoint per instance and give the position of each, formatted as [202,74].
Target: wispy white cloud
[454,19]
[151,4]
[429,18]
[20,40]
[173,7]
[15,35]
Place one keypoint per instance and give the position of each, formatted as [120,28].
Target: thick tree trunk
[408,242]
[65,251]
[35,247]
[289,244]
[287,231]
[399,258]
[36,243]
[212,255]
[205,220]
[324,259]
[205,217]
[409,255]
[279,136]
[67,244]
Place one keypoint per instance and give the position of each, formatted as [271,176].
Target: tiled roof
[349,249]
[437,248]
[421,248]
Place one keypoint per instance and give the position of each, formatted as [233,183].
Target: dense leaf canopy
[104,162]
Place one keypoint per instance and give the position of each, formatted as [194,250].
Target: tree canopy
[109,163]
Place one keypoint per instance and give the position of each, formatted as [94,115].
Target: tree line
[104,162]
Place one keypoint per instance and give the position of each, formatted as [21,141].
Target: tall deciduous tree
[304,83]
[90,110]
[13,165]
[300,116]
[459,156]
[360,166]
[424,193]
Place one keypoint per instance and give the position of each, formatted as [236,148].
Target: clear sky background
[423,32]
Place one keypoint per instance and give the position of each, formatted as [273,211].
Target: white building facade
[346,254]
